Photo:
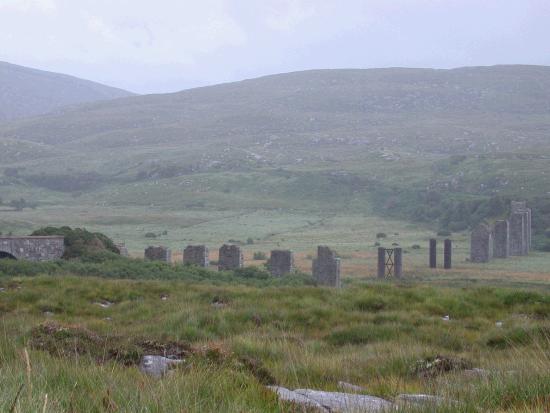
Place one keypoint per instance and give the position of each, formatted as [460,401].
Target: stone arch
[6,256]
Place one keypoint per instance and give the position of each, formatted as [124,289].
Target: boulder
[418,400]
[157,366]
[346,402]
[348,387]
[293,397]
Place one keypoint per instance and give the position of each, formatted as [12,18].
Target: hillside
[28,92]
[444,148]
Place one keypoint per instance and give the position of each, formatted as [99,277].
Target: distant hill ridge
[484,108]
[26,92]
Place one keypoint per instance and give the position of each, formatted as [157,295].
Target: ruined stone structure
[481,247]
[122,249]
[447,254]
[36,249]
[196,255]
[433,253]
[518,233]
[501,235]
[231,258]
[390,262]
[281,262]
[158,254]
[326,267]
[520,244]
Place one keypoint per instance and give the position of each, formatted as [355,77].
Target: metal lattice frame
[389,263]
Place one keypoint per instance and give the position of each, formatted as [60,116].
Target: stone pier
[447,254]
[481,247]
[326,267]
[45,248]
[521,208]
[518,233]
[398,262]
[501,234]
[433,253]
[159,253]
[231,258]
[281,263]
[196,255]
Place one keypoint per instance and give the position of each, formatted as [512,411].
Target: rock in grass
[342,385]
[477,373]
[293,397]
[346,402]
[422,400]
[157,366]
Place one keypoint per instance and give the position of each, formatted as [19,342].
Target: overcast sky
[168,45]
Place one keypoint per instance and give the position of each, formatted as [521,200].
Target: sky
[161,46]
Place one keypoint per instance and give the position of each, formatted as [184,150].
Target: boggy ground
[237,336]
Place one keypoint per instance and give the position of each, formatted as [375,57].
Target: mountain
[28,92]
[445,147]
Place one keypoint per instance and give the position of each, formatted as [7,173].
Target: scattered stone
[345,402]
[476,373]
[48,314]
[108,319]
[157,366]
[446,318]
[219,302]
[342,385]
[435,366]
[422,400]
[326,267]
[499,324]
[104,303]
[164,297]
[293,397]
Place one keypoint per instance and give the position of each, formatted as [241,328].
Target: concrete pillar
[230,258]
[398,262]
[381,262]
[447,254]
[196,255]
[481,247]
[158,254]
[326,267]
[433,253]
[501,233]
[281,263]
[518,222]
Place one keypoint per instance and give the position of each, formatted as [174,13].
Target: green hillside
[443,148]
[28,92]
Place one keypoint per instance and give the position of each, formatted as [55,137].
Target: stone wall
[231,258]
[281,263]
[481,247]
[501,234]
[158,254]
[32,248]
[196,255]
[326,267]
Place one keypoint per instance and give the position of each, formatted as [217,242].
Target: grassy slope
[28,92]
[370,334]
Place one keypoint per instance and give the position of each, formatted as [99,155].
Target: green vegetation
[381,336]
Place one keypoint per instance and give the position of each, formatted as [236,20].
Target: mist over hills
[30,92]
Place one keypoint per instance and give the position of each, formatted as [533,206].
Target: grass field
[369,333]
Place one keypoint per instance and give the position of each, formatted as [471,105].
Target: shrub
[381,235]
[259,255]
[415,247]
[150,235]
[80,242]
[249,241]
[444,233]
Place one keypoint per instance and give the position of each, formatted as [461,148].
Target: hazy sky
[168,45]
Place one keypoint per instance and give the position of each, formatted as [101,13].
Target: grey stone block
[281,262]
[518,242]
[447,254]
[159,253]
[481,246]
[433,253]
[196,255]
[501,233]
[231,258]
[47,248]
[326,267]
